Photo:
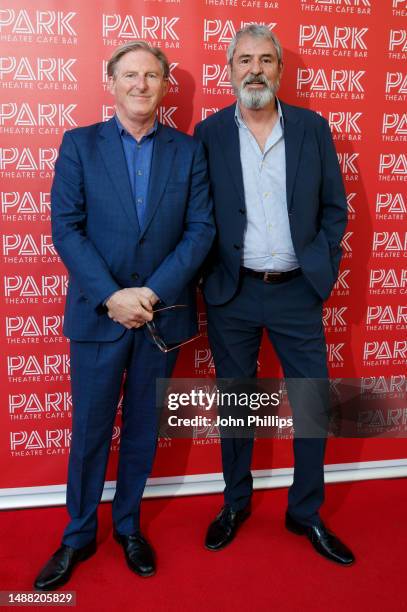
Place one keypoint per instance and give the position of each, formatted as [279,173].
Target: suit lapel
[111,149]
[161,165]
[230,146]
[293,138]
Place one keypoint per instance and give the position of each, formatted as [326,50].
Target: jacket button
[135,276]
[242,211]
[142,241]
[237,247]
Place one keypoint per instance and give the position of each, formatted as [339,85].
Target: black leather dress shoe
[138,552]
[224,528]
[323,540]
[59,568]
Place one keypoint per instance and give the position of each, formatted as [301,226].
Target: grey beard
[256,99]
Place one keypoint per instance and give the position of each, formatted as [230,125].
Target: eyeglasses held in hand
[155,334]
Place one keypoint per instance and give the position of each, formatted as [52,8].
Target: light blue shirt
[267,243]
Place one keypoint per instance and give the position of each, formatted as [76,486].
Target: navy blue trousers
[291,312]
[97,370]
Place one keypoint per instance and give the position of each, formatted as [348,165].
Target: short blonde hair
[137,45]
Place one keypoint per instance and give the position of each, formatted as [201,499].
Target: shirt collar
[240,121]
[124,132]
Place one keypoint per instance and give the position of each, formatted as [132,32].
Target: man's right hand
[130,307]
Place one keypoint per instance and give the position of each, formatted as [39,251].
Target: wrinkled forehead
[254,45]
[139,60]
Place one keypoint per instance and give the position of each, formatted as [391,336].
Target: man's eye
[151,75]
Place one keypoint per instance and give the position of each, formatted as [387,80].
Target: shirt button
[139,173]
[139,200]
[266,195]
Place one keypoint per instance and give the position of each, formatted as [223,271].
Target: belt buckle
[269,277]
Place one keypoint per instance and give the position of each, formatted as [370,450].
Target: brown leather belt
[271,277]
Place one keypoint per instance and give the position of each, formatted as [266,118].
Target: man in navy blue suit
[132,221]
[280,212]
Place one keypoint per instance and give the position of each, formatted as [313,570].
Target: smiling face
[255,72]
[138,86]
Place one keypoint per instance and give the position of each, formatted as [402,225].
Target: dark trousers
[291,312]
[97,370]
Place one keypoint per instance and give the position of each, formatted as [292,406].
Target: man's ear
[111,84]
[281,68]
[230,72]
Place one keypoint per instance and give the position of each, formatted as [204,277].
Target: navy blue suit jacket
[316,200]
[95,227]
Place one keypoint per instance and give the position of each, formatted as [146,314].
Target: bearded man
[280,212]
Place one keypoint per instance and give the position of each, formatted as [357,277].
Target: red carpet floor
[265,568]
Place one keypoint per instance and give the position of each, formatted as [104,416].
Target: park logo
[396,87]
[218,33]
[46,73]
[349,166]
[393,167]
[389,244]
[30,329]
[394,127]
[335,84]
[381,353]
[398,44]
[341,7]
[345,125]
[351,206]
[388,281]
[386,318]
[160,31]
[38,443]
[47,289]
[40,27]
[335,355]
[29,249]
[30,119]
[390,206]
[38,368]
[33,406]
[334,319]
[25,206]
[27,162]
[341,287]
[333,41]
[203,362]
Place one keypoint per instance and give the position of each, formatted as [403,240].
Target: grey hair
[137,45]
[257,31]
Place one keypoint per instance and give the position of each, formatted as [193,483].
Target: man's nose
[141,82]
[256,67]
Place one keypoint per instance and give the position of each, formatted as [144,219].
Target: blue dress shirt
[138,157]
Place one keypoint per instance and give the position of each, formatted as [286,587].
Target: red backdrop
[343,58]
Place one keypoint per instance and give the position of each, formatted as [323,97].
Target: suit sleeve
[334,213]
[68,220]
[181,265]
